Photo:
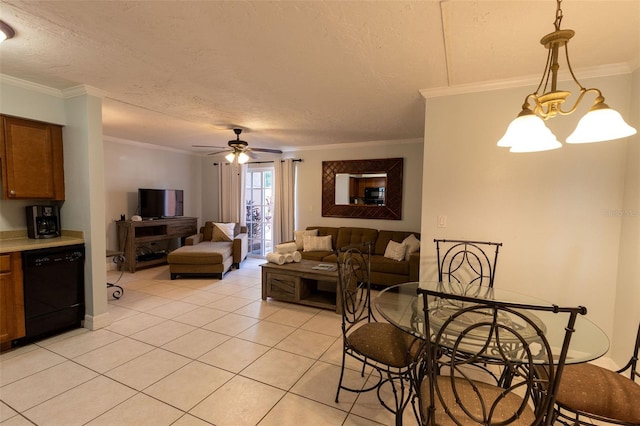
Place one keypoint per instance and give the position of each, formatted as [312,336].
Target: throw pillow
[395,251]
[299,237]
[413,245]
[223,231]
[313,243]
[208,231]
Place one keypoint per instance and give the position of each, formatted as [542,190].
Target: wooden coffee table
[298,282]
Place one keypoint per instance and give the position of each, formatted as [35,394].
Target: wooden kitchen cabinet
[12,319]
[32,159]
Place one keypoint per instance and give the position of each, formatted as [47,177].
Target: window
[259,217]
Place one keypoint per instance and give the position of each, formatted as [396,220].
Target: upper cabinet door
[32,159]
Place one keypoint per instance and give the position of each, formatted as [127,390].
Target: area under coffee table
[298,282]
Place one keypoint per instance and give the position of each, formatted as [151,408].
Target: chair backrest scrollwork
[471,333]
[354,284]
[467,262]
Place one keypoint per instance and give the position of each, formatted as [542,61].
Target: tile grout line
[316,359]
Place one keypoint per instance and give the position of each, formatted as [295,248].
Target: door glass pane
[258,210]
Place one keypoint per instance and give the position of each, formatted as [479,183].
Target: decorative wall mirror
[364,189]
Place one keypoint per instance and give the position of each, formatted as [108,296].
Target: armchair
[209,252]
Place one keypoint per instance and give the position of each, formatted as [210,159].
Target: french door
[259,210]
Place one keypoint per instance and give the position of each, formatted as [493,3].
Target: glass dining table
[401,306]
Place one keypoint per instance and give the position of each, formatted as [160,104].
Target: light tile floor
[190,352]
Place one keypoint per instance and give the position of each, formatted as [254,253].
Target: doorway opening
[259,210]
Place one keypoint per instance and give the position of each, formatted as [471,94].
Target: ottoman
[204,258]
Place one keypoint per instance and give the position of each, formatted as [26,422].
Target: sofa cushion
[385,236]
[299,237]
[395,251]
[312,243]
[223,231]
[319,256]
[207,231]
[206,252]
[353,236]
[326,230]
[413,245]
[379,263]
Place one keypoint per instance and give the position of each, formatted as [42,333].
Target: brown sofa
[202,256]
[384,271]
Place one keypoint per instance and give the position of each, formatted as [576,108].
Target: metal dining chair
[464,262]
[467,262]
[379,345]
[588,392]
[477,331]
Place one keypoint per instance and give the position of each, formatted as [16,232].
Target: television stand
[137,239]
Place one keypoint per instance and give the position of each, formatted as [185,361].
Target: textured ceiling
[294,74]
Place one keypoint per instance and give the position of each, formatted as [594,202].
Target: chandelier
[528,133]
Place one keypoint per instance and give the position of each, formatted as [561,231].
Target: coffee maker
[43,221]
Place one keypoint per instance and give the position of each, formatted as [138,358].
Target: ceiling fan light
[600,124]
[242,158]
[528,133]
[230,157]
[6,32]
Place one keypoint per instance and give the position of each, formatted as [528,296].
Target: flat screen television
[160,203]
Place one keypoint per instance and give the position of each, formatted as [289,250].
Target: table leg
[117,293]
[118,259]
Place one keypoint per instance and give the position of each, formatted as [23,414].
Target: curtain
[231,196]
[284,203]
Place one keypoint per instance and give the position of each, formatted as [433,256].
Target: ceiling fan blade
[208,146]
[273,151]
[220,152]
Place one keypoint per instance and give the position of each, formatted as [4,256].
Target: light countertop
[11,241]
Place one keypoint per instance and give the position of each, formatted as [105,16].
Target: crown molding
[112,139]
[530,80]
[354,145]
[71,92]
[28,85]
[83,90]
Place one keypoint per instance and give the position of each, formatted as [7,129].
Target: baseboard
[97,322]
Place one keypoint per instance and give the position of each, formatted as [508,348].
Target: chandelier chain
[558,15]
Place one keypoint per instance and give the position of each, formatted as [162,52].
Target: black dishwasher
[53,289]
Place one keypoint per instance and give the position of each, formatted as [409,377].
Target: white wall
[210,189]
[627,302]
[133,165]
[552,210]
[309,191]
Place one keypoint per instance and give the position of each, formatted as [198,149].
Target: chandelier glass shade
[528,133]
[599,125]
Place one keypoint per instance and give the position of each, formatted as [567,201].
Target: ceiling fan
[238,149]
